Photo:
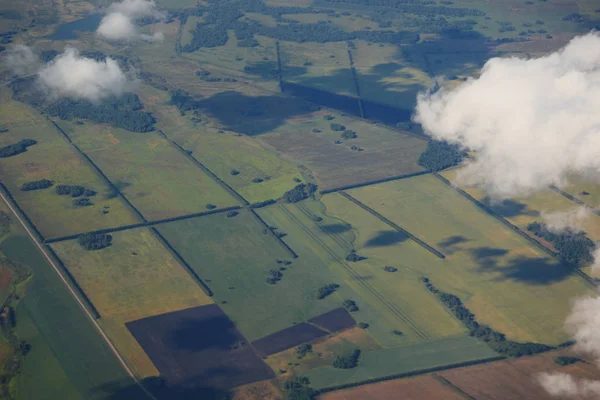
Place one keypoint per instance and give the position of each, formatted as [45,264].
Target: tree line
[496,340]
[415,7]
[36,185]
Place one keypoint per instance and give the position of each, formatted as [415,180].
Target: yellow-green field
[186,32]
[329,67]
[225,152]
[54,159]
[156,177]
[384,76]
[507,283]
[135,277]
[382,246]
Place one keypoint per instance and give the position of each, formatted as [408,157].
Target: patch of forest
[440,155]
[573,246]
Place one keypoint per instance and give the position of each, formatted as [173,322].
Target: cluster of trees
[303,350]
[440,155]
[573,246]
[363,325]
[564,360]
[300,192]
[348,134]
[183,101]
[390,269]
[353,257]
[17,148]
[5,223]
[35,185]
[424,8]
[496,340]
[232,214]
[347,362]
[264,203]
[95,241]
[206,76]
[221,16]
[350,305]
[326,290]
[74,191]
[275,276]
[298,388]
[119,112]
[82,202]
[574,17]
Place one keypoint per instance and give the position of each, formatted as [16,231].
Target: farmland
[491,258]
[133,278]
[235,259]
[222,276]
[54,159]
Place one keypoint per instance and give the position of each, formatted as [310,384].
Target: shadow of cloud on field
[253,115]
[336,228]
[386,238]
[453,241]
[487,256]
[532,271]
[509,208]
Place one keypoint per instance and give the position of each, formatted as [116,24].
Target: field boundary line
[205,169]
[355,80]
[144,224]
[279,240]
[375,182]
[574,199]
[516,229]
[453,387]
[412,373]
[81,304]
[395,310]
[98,170]
[383,219]
[179,258]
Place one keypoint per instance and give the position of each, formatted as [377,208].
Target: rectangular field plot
[376,153]
[322,66]
[387,362]
[234,256]
[325,240]
[484,261]
[54,159]
[133,278]
[199,349]
[225,152]
[407,302]
[287,338]
[335,320]
[73,343]
[385,76]
[156,178]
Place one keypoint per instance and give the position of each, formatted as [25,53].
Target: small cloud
[119,23]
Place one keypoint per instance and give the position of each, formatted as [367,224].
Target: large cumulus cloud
[119,22]
[531,122]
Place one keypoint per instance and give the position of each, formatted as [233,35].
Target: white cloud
[583,324]
[572,219]
[21,60]
[119,24]
[71,75]
[531,122]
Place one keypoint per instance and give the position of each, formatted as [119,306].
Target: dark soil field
[199,349]
[287,338]
[335,320]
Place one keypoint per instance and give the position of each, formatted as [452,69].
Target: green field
[135,277]
[382,363]
[85,358]
[53,158]
[485,259]
[385,152]
[383,246]
[323,66]
[225,152]
[186,32]
[234,259]
[159,180]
